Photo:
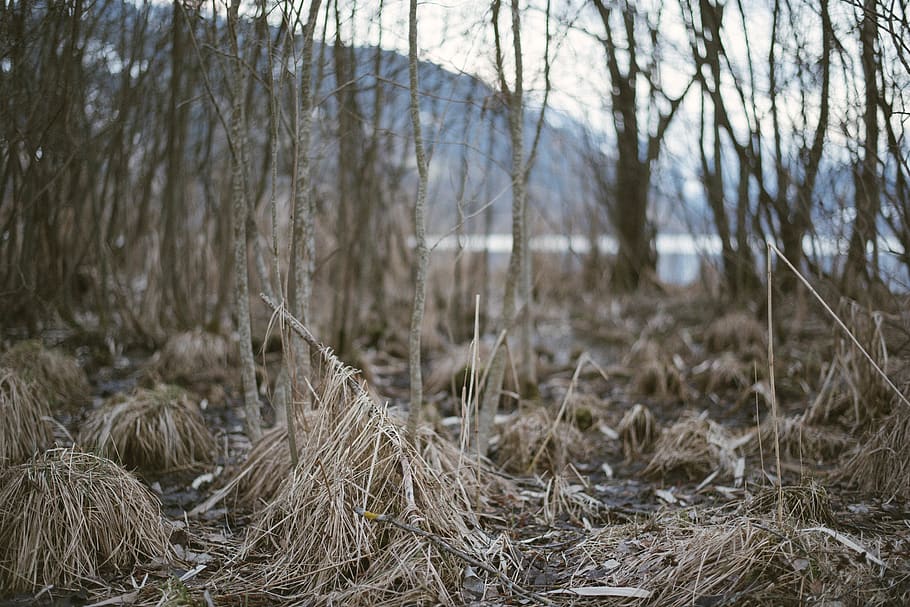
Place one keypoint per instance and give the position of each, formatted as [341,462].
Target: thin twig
[444,545]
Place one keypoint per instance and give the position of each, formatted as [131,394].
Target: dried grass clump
[151,429]
[714,559]
[354,455]
[882,462]
[56,376]
[852,391]
[800,440]
[681,563]
[739,333]
[802,504]
[653,371]
[24,429]
[724,373]
[268,465]
[67,517]
[638,430]
[695,446]
[194,356]
[534,431]
[659,379]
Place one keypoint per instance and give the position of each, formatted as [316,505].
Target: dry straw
[800,440]
[67,517]
[852,390]
[736,332]
[194,355]
[24,429]
[653,372]
[153,430]
[531,431]
[802,504]
[882,465]
[709,558]
[57,377]
[354,457]
[638,431]
[695,446]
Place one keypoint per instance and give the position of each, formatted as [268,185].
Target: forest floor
[647,470]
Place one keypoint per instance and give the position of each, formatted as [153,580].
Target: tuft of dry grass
[268,465]
[801,440]
[638,430]
[194,355]
[724,373]
[716,559]
[523,437]
[696,446]
[852,391]
[67,517]
[882,463]
[739,333]
[150,429]
[653,371]
[803,504]
[56,376]
[24,430]
[354,456]
[659,379]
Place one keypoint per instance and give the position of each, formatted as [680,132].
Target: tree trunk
[239,206]
[421,254]
[515,99]
[857,272]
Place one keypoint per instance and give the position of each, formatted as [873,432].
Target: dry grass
[354,455]
[707,558]
[523,437]
[802,504]
[852,391]
[265,469]
[800,440]
[882,464]
[659,379]
[67,517]
[194,356]
[725,373]
[153,430]
[653,371]
[695,446]
[638,430]
[738,333]
[24,430]
[56,376]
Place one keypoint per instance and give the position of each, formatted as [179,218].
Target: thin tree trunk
[303,235]
[421,253]
[241,272]
[493,389]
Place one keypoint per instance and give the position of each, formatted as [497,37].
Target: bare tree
[628,208]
